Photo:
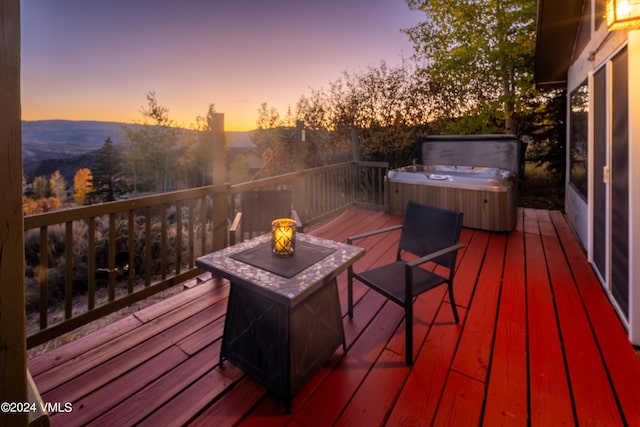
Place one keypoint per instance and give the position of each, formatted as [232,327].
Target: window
[578,137]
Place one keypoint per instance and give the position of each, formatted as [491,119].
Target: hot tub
[485,191]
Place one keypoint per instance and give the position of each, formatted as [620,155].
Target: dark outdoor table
[283,315]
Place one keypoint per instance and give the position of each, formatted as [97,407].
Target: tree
[239,170]
[41,187]
[82,186]
[152,148]
[387,104]
[196,150]
[58,186]
[478,59]
[276,141]
[106,178]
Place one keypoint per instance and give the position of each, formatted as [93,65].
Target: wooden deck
[538,344]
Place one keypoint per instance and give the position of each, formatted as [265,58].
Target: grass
[539,190]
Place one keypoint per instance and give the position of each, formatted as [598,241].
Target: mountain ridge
[67,145]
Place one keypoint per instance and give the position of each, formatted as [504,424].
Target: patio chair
[431,234]
[257,209]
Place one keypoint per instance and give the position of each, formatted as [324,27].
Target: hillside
[57,139]
[67,145]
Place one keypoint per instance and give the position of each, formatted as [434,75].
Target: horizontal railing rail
[87,262]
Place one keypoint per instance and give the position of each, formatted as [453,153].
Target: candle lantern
[283,239]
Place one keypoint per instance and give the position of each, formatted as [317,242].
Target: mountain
[59,139]
[68,145]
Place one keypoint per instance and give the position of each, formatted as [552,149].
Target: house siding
[601,48]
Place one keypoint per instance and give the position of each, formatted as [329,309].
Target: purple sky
[96,60]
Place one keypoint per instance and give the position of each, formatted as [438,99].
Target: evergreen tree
[152,148]
[106,173]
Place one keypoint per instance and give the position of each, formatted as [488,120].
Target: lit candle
[283,238]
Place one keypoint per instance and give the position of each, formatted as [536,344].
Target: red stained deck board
[425,309]
[166,306]
[352,221]
[102,354]
[193,399]
[64,353]
[461,403]
[375,396]
[326,403]
[201,338]
[466,275]
[507,389]
[420,396]
[231,407]
[622,364]
[372,402]
[550,399]
[474,352]
[580,348]
[163,389]
[94,404]
[105,372]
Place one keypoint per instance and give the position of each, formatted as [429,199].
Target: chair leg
[408,334]
[350,292]
[453,303]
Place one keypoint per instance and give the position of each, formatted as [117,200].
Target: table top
[289,290]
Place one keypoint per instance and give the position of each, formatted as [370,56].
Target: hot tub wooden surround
[483,209]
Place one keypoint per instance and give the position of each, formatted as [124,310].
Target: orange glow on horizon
[231,123]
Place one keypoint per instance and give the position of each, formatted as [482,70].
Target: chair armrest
[296,218]
[234,227]
[236,222]
[433,255]
[350,239]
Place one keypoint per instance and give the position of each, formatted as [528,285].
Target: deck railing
[111,255]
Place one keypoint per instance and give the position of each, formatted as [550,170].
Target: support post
[355,171]
[355,144]
[13,330]
[219,178]
[300,197]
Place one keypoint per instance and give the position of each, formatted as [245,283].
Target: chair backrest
[428,229]
[260,207]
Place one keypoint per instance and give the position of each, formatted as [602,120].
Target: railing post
[299,196]
[355,144]
[219,178]
[355,149]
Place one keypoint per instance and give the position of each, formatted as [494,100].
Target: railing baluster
[203,225]
[43,276]
[68,276]
[112,257]
[148,238]
[91,295]
[131,248]
[178,237]
[191,234]
[163,243]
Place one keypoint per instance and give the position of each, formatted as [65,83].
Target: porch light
[622,13]
[283,239]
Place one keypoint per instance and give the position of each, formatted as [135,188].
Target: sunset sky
[97,60]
